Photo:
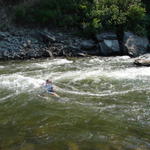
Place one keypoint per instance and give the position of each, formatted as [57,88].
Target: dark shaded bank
[84,16]
[26,43]
[37,43]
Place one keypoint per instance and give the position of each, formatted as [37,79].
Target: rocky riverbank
[36,43]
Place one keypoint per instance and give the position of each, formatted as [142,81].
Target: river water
[104,105]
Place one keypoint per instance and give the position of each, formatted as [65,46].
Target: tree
[117,15]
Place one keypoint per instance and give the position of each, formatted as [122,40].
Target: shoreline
[27,43]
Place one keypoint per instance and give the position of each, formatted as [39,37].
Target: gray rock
[109,47]
[135,45]
[2,35]
[106,36]
[6,53]
[29,42]
[31,54]
[24,45]
[78,52]
[81,54]
[47,38]
[142,62]
[145,56]
[87,44]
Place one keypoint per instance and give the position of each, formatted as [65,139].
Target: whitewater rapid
[95,69]
[102,99]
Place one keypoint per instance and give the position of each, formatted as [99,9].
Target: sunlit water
[104,105]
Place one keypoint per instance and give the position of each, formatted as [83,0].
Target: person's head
[48,81]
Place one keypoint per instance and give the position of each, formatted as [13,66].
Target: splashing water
[104,104]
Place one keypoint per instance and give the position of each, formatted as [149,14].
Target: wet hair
[48,81]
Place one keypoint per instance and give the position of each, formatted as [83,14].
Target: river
[104,105]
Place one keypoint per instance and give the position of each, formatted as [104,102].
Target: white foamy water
[2,67]
[31,80]
[48,63]
[19,82]
[6,97]
[104,93]
[95,73]
[130,73]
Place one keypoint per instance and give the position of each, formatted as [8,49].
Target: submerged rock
[143,60]
[135,45]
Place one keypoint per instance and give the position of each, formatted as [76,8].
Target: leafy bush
[90,15]
[118,14]
[58,12]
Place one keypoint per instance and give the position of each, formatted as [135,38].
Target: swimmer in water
[48,86]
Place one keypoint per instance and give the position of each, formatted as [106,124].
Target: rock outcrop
[135,45]
[28,43]
[108,44]
[109,47]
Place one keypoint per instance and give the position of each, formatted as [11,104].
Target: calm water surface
[104,105]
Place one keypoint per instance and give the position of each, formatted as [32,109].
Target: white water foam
[130,73]
[6,97]
[109,93]
[19,82]
[48,63]
[2,67]
[95,73]
[22,82]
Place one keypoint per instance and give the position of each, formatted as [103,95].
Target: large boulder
[135,45]
[106,36]
[87,44]
[109,47]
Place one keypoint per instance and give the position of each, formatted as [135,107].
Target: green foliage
[60,12]
[90,15]
[115,14]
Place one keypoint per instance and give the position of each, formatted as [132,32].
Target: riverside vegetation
[89,18]
[89,15]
